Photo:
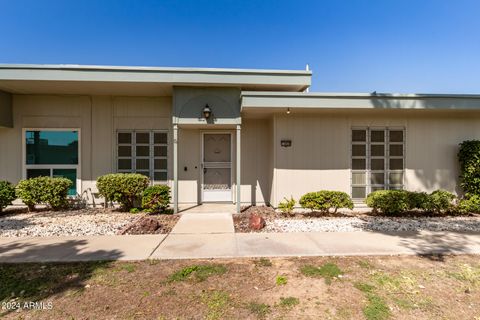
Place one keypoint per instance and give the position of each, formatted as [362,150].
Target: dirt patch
[400,287]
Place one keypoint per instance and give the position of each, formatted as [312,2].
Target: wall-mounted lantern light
[207,112]
[288,110]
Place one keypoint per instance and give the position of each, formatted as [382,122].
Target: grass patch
[281,280]
[217,304]
[288,302]
[466,273]
[364,264]
[376,308]
[199,272]
[261,310]
[263,262]
[129,267]
[364,287]
[328,271]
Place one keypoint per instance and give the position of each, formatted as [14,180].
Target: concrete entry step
[206,223]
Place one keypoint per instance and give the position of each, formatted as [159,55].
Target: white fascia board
[358,101]
[183,76]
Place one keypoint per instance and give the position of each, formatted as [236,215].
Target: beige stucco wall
[97,117]
[320,154]
[318,159]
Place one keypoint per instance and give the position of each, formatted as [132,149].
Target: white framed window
[378,160]
[52,153]
[144,152]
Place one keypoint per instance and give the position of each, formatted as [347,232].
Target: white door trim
[221,197]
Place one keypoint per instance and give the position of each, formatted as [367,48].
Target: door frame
[202,150]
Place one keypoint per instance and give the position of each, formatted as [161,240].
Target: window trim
[386,157]
[78,166]
[151,157]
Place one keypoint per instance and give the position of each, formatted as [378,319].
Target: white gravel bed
[68,223]
[349,224]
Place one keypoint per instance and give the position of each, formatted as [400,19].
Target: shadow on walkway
[35,282]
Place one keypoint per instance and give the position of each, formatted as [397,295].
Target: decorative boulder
[256,222]
[144,225]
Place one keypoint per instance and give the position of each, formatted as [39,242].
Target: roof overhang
[76,79]
[279,101]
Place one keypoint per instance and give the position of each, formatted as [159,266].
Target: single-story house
[226,135]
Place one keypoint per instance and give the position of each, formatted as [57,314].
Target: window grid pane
[384,160]
[148,153]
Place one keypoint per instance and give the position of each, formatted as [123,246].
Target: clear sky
[420,46]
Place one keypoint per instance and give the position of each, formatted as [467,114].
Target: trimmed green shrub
[398,201]
[440,201]
[55,192]
[7,194]
[469,158]
[287,205]
[418,200]
[325,200]
[389,201]
[50,191]
[156,199]
[124,188]
[31,191]
[469,204]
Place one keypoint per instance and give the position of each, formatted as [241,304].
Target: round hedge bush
[155,199]
[7,194]
[324,200]
[124,188]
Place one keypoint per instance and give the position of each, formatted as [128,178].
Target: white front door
[217,167]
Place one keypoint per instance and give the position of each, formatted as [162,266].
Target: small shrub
[469,158]
[418,200]
[156,199]
[287,205]
[469,204]
[281,280]
[135,210]
[50,191]
[124,188]
[7,194]
[389,201]
[325,200]
[56,192]
[440,201]
[31,191]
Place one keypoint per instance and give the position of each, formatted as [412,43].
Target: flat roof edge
[75,67]
[350,95]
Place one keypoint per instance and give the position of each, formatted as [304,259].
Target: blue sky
[422,46]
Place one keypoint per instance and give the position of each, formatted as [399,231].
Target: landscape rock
[144,225]
[256,222]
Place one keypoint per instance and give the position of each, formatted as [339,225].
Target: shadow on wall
[39,281]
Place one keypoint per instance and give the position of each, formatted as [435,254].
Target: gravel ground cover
[354,222]
[83,222]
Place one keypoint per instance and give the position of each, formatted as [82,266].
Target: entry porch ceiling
[141,81]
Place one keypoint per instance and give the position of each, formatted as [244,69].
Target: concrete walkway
[185,245]
[204,223]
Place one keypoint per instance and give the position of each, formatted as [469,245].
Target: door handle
[204,170]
